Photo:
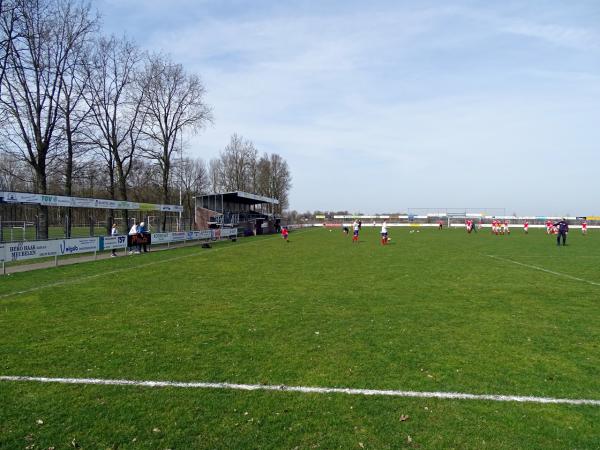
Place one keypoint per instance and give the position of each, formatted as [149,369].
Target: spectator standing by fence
[133,231]
[114,232]
[142,231]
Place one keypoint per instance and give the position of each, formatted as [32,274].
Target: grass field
[431,312]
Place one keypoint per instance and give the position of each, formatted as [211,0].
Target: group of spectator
[135,230]
[138,230]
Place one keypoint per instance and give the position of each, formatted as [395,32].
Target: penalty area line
[541,269]
[304,390]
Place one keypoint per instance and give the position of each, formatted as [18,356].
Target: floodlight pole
[180,178]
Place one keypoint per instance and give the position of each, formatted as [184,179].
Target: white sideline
[111,272]
[541,269]
[304,390]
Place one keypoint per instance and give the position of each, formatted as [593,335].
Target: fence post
[91,222]
[55,260]
[1,231]
[3,268]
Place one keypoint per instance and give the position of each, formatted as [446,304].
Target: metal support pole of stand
[55,260]
[3,268]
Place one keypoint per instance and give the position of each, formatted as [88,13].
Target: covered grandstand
[249,213]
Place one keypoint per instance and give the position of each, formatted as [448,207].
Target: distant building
[249,213]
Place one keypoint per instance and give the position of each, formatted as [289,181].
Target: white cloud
[580,38]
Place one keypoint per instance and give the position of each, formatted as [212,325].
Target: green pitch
[431,312]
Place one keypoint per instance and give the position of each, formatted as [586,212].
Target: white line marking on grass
[304,390]
[541,269]
[547,256]
[124,269]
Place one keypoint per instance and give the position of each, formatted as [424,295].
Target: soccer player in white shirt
[384,233]
[356,228]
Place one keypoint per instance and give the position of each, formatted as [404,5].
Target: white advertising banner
[74,246]
[199,235]
[79,202]
[161,238]
[112,242]
[206,234]
[192,235]
[19,251]
[178,236]
[228,232]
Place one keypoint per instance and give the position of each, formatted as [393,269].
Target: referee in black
[563,230]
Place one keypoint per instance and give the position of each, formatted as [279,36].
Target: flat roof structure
[239,197]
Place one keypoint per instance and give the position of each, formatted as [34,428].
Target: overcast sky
[384,105]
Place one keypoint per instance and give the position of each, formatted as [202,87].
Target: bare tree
[238,160]
[173,102]
[274,179]
[263,179]
[215,175]
[8,19]
[15,174]
[281,182]
[75,111]
[46,31]
[193,178]
[115,101]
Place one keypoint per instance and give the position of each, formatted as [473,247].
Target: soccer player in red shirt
[284,234]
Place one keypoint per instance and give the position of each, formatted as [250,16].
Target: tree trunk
[122,182]
[41,187]
[165,190]
[69,173]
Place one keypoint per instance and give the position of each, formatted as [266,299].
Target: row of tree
[85,114]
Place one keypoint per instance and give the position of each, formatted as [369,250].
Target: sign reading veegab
[74,246]
[80,202]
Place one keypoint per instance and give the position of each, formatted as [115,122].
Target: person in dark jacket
[563,229]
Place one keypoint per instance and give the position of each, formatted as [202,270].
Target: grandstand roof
[242,197]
